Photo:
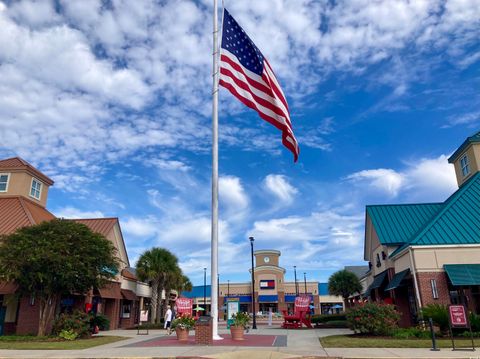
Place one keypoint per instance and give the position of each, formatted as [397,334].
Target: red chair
[300,315]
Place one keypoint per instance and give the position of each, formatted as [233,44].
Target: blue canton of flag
[246,73]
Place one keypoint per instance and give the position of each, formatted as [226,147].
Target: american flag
[246,73]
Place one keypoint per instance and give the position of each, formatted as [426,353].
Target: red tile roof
[17,163]
[18,212]
[99,225]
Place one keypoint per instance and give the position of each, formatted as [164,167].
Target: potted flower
[239,324]
[182,326]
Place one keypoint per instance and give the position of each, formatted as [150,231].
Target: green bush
[77,322]
[324,318]
[439,315]
[101,321]
[409,333]
[373,319]
[475,322]
[336,324]
[68,334]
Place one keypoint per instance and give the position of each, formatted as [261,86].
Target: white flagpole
[214,252]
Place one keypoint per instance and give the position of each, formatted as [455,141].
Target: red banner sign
[184,305]
[458,316]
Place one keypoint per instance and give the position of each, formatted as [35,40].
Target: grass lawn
[352,341]
[32,343]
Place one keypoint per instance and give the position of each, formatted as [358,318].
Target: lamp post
[218,290]
[305,281]
[254,324]
[228,288]
[296,285]
[205,290]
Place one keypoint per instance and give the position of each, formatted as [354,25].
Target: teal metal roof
[397,279]
[463,274]
[472,139]
[458,220]
[397,224]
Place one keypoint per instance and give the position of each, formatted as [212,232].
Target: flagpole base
[217,337]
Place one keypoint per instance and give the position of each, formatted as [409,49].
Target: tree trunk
[154,302]
[47,313]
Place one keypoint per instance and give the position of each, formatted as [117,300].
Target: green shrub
[324,318]
[68,334]
[101,321]
[336,324]
[475,322]
[439,315]
[409,333]
[373,319]
[77,322]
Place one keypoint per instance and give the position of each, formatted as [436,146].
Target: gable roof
[472,139]
[397,223]
[98,225]
[359,271]
[18,212]
[458,221]
[17,163]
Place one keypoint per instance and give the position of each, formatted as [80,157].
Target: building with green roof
[426,253]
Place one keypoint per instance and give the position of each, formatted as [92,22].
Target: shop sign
[144,315]
[458,316]
[267,284]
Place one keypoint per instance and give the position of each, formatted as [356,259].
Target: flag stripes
[249,77]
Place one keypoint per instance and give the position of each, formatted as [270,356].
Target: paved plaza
[274,343]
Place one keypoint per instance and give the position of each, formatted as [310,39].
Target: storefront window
[126,310]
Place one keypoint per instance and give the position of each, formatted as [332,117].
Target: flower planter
[237,332]
[182,334]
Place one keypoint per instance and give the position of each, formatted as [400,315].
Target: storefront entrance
[265,307]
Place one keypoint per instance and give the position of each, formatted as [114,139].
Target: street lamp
[254,324]
[296,286]
[218,290]
[305,281]
[205,290]
[228,288]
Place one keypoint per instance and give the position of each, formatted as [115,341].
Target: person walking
[168,319]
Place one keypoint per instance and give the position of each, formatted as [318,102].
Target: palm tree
[344,284]
[186,285]
[156,266]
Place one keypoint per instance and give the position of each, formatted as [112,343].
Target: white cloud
[386,180]
[280,187]
[328,238]
[75,213]
[232,193]
[140,227]
[424,179]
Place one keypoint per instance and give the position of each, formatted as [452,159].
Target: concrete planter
[182,334]
[237,332]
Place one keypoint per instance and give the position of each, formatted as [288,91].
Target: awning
[128,294]
[378,280]
[397,279]
[463,274]
[111,291]
[267,298]
[8,288]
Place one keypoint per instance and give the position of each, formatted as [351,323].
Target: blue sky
[112,100]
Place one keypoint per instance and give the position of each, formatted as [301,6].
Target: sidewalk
[300,343]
